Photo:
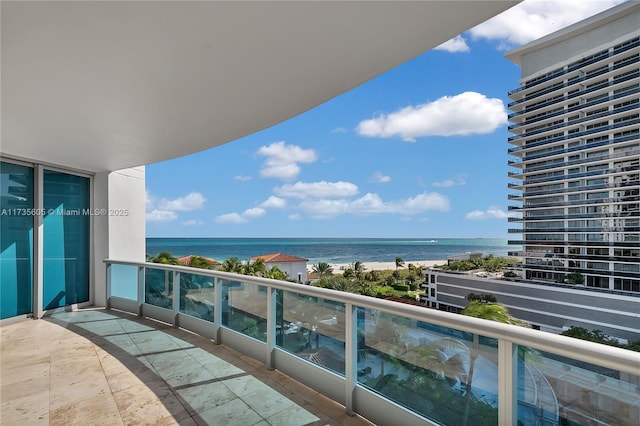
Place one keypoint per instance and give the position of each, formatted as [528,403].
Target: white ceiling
[108,85]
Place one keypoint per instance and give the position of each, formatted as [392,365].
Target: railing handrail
[607,356]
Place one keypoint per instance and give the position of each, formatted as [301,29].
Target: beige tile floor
[98,367]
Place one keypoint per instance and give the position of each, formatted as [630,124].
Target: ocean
[331,250]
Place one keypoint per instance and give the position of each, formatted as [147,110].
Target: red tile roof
[279,258]
[186,260]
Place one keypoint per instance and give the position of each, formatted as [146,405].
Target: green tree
[574,278]
[232,264]
[276,273]
[482,298]
[399,262]
[322,269]
[349,274]
[340,284]
[487,311]
[165,258]
[373,276]
[358,269]
[200,262]
[257,268]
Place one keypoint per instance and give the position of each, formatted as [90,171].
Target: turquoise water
[331,250]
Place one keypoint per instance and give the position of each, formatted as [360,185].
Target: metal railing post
[272,301]
[351,355]
[507,386]
[108,287]
[217,309]
[141,272]
[175,302]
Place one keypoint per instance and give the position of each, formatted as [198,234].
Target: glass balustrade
[244,308]
[447,368]
[158,287]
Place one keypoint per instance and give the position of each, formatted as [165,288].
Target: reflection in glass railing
[312,328]
[158,287]
[444,374]
[556,390]
[244,308]
[197,296]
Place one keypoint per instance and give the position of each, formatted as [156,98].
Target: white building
[295,267]
[576,126]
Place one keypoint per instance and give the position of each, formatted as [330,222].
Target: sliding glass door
[66,250]
[63,212]
[16,239]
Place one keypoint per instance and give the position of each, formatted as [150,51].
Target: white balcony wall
[119,222]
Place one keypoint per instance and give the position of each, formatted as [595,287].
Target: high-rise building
[576,142]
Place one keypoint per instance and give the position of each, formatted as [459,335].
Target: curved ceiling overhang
[107,85]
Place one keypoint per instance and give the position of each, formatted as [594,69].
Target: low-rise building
[295,267]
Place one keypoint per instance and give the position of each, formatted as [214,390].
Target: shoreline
[385,266]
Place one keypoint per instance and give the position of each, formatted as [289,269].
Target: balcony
[96,366]
[380,359]
[389,362]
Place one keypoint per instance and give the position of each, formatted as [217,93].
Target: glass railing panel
[124,281]
[158,287]
[244,308]
[312,328]
[197,296]
[444,374]
[554,390]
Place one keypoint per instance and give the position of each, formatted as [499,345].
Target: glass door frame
[37,310]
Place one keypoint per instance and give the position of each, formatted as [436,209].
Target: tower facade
[576,152]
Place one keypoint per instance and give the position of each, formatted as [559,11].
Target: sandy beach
[383,266]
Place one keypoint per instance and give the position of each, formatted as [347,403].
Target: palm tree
[373,275]
[348,273]
[399,262]
[256,268]
[492,312]
[341,284]
[322,269]
[232,264]
[200,262]
[276,273]
[358,269]
[165,258]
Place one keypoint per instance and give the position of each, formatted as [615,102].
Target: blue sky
[420,151]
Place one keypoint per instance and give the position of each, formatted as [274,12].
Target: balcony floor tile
[102,367]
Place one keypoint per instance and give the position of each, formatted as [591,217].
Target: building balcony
[97,366]
[208,347]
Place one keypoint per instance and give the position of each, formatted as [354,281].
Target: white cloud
[244,217]
[456,44]
[282,160]
[242,178]
[192,201]
[192,223]
[380,178]
[464,114]
[320,189]
[254,213]
[230,219]
[370,204]
[295,216]
[274,202]
[339,130]
[449,182]
[156,215]
[533,19]
[493,212]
